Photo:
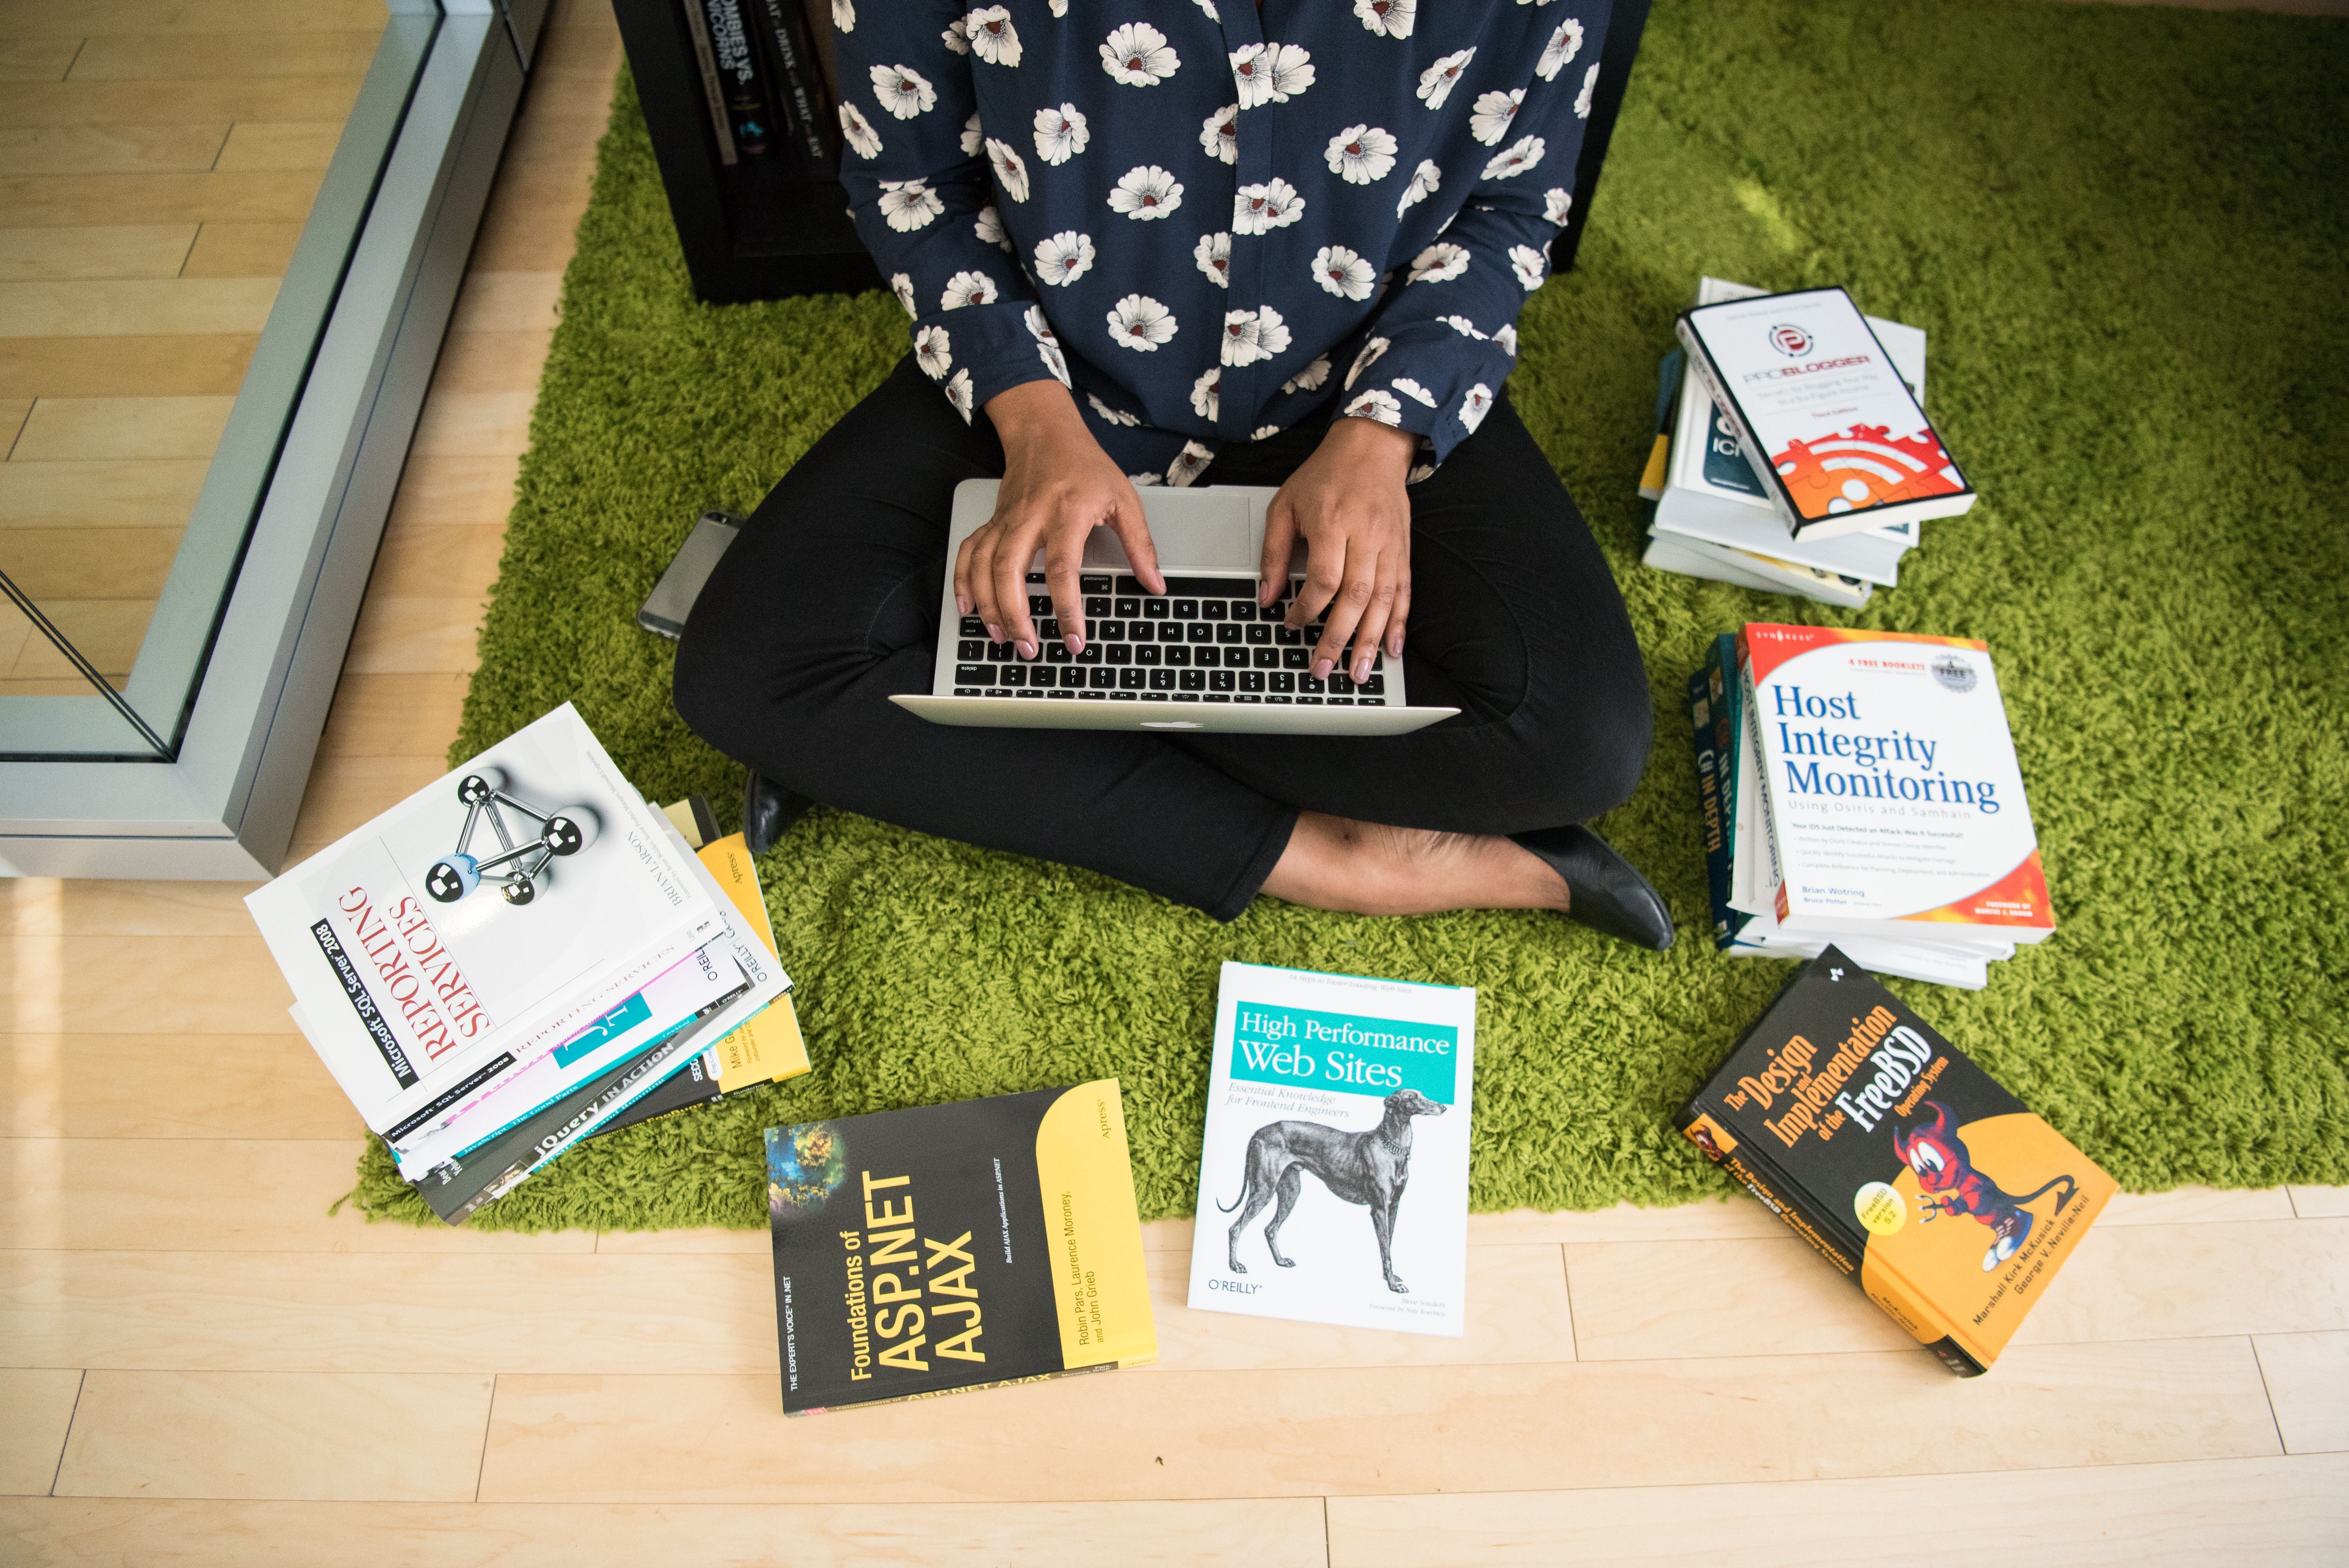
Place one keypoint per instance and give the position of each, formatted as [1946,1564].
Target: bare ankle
[1371,867]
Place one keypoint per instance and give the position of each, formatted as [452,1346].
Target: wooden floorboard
[205,1360]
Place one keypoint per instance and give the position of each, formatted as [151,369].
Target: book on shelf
[946,1247]
[1877,1141]
[1364,1086]
[1822,416]
[728,50]
[1708,492]
[807,125]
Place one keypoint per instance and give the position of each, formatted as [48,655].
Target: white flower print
[1214,255]
[1188,464]
[957,36]
[1146,192]
[1264,432]
[1435,82]
[1064,258]
[1011,170]
[902,287]
[1423,179]
[1387,18]
[1038,327]
[1209,7]
[1564,45]
[1253,335]
[1343,273]
[1515,159]
[1059,7]
[988,226]
[1110,415]
[993,39]
[1271,73]
[1364,360]
[933,351]
[1060,134]
[843,15]
[1139,56]
[1204,401]
[1139,480]
[971,138]
[959,393]
[1307,379]
[1506,336]
[1439,263]
[1376,404]
[1360,154]
[863,139]
[1259,209]
[1495,112]
[1054,361]
[1556,202]
[1219,134]
[1473,407]
[968,288]
[1424,470]
[1141,324]
[1412,390]
[1461,324]
[1590,85]
[903,91]
[909,204]
[1530,266]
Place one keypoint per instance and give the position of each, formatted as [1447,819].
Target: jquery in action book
[1913,1173]
[944,1247]
[1334,1180]
[1822,414]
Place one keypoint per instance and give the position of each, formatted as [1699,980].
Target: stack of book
[525,954]
[1861,788]
[766,72]
[1716,516]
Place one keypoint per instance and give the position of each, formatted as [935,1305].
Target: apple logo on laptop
[1169,724]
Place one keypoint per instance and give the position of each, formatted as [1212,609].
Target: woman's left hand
[1346,501]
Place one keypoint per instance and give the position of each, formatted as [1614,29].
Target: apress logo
[1790,340]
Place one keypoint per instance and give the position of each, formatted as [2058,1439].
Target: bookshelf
[759,229]
[762,228]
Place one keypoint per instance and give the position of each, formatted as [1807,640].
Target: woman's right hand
[1058,486]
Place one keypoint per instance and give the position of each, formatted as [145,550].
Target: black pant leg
[1514,620]
[828,604]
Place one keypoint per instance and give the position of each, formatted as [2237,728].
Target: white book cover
[1895,800]
[1333,1181]
[424,972]
[1824,417]
[1710,491]
[1744,569]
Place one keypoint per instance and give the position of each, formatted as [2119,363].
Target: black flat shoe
[1608,895]
[768,812]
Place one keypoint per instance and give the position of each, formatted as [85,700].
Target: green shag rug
[2124,230]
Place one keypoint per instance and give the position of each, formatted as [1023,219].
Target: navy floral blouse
[1198,215]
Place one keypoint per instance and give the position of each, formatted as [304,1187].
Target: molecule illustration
[518,868]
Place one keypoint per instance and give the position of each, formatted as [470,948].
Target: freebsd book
[1914,1174]
[944,1247]
[1333,1181]
[1832,432]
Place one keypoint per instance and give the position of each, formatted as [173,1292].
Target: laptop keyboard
[1204,641]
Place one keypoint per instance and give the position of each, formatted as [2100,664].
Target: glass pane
[183,185]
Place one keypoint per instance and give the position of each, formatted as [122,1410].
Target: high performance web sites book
[944,1247]
[1821,413]
[1889,788]
[1909,1171]
[417,1001]
[1334,1180]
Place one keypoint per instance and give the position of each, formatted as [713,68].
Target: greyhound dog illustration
[1368,1167]
[1952,1185]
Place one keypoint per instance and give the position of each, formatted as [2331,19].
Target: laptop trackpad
[1202,531]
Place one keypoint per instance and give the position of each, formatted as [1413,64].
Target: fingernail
[1362,669]
[1026,650]
[1394,646]
[1076,644]
[1322,668]
[994,632]
[962,603]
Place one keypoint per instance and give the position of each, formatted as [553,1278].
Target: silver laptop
[1202,656]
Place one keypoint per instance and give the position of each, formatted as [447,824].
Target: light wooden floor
[198,1364]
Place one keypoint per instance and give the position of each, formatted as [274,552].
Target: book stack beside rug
[524,955]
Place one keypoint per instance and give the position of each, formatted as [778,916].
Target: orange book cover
[1907,1167]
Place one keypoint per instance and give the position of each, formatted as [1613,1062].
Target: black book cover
[687,1086]
[807,120]
[1905,1165]
[944,1247]
[740,74]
